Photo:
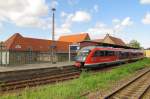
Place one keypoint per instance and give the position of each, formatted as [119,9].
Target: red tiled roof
[41,45]
[74,38]
[62,47]
[12,40]
[116,41]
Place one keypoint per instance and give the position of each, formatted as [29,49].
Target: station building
[108,40]
[24,50]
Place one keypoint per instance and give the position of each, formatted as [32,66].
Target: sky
[126,19]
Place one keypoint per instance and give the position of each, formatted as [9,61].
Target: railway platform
[33,66]
[29,75]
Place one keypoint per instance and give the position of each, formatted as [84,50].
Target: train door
[104,56]
[110,56]
[117,55]
[95,57]
[98,56]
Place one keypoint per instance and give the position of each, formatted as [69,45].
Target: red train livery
[92,56]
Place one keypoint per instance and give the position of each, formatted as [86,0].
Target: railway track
[41,77]
[53,76]
[146,94]
[138,88]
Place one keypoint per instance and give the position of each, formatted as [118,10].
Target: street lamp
[53,34]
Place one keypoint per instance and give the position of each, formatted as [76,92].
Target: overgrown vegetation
[74,88]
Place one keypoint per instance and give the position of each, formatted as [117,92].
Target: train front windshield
[82,54]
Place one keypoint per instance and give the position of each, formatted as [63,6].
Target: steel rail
[126,85]
[65,73]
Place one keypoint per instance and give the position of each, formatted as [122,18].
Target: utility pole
[53,36]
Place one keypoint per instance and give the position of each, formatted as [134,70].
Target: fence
[29,57]
[11,57]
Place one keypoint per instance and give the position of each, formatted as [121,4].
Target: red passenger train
[92,56]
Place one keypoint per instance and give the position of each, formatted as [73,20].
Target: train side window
[102,53]
[96,54]
[117,53]
[99,53]
[109,53]
[106,53]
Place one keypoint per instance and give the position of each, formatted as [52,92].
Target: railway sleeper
[34,83]
[33,75]
[22,81]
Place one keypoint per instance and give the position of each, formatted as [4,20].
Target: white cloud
[124,22]
[24,13]
[146,19]
[100,29]
[121,24]
[62,31]
[66,25]
[54,4]
[81,16]
[78,16]
[1,28]
[96,8]
[63,14]
[65,28]
[116,21]
[145,1]
[69,19]
[73,2]
[127,22]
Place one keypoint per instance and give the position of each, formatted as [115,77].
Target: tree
[134,43]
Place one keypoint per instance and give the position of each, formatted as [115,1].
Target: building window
[18,46]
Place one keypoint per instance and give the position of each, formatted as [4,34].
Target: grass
[74,88]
